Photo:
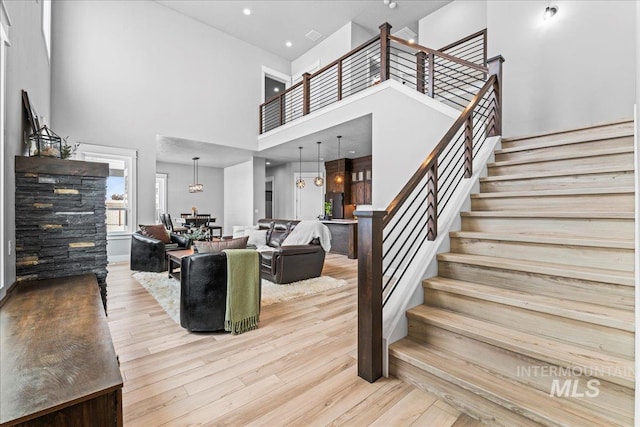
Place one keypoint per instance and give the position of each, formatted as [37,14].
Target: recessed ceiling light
[267,163]
[288,44]
[246,11]
[321,159]
[352,152]
[276,89]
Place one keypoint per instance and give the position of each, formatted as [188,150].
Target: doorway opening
[268,198]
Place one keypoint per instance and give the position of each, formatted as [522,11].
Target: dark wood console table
[58,366]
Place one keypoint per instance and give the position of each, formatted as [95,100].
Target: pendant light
[339,178]
[318,180]
[300,182]
[195,187]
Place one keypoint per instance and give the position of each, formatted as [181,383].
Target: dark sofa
[286,264]
[149,254]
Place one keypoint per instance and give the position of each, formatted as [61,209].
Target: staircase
[531,319]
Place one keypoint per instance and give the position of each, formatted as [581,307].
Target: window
[161,194]
[121,183]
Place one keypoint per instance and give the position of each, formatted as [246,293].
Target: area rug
[167,290]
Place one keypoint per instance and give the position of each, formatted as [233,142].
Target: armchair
[286,264]
[149,254]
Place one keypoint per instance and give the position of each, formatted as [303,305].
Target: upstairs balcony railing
[436,73]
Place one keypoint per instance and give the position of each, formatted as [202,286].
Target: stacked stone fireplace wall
[61,219]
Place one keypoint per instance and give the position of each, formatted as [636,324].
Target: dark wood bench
[57,361]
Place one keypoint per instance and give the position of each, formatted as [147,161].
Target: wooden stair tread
[550,214]
[582,311]
[551,158]
[558,173]
[563,192]
[622,126]
[535,346]
[546,239]
[563,270]
[567,141]
[530,403]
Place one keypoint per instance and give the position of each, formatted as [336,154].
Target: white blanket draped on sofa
[305,231]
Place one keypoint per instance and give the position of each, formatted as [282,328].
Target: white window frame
[130,157]
[162,179]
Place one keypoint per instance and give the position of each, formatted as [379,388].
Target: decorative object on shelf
[194,211]
[68,150]
[300,182]
[30,121]
[195,187]
[339,176]
[45,143]
[318,180]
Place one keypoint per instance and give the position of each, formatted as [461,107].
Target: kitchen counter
[344,236]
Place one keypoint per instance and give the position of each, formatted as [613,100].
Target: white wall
[179,200]
[27,68]
[577,69]
[259,177]
[283,184]
[359,35]
[452,22]
[124,72]
[325,52]
[238,195]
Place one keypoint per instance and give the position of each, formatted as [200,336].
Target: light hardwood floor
[297,369]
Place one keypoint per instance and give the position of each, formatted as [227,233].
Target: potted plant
[328,209]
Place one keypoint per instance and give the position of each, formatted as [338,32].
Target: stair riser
[597,180]
[592,336]
[559,151]
[612,398]
[585,256]
[571,227]
[624,160]
[576,136]
[610,295]
[468,402]
[622,202]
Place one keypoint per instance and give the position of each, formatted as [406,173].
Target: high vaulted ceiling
[274,22]
[270,24]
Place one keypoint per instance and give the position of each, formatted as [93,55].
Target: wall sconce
[550,12]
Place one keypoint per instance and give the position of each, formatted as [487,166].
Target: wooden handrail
[440,54]
[403,195]
[464,39]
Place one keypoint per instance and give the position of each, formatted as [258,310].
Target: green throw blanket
[243,290]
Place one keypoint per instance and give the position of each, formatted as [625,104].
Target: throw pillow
[216,246]
[257,237]
[156,231]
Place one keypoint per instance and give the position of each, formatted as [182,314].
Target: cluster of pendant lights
[318,180]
